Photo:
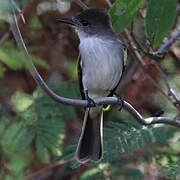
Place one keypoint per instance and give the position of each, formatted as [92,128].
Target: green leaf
[172,170]
[75,164]
[146,136]
[21,101]
[129,174]
[2,70]
[14,59]
[5,6]
[125,145]
[90,174]
[41,150]
[24,140]
[123,12]
[159,19]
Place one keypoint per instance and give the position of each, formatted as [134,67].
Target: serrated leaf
[158,135]
[146,136]
[68,156]
[125,145]
[75,164]
[110,132]
[134,174]
[159,19]
[41,150]
[123,12]
[90,174]
[25,140]
[119,126]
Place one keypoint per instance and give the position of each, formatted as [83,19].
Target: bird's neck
[83,35]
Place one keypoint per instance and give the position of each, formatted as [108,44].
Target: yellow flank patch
[107,108]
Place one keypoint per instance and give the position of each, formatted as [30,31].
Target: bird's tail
[90,146]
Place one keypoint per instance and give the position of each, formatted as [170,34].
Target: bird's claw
[158,114]
[120,101]
[91,102]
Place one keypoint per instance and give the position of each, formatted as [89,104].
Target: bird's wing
[79,70]
[124,57]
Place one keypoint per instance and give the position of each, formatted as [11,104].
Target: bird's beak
[67,21]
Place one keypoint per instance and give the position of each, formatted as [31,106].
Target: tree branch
[81,4]
[109,3]
[161,51]
[171,91]
[165,47]
[77,102]
[139,58]
[51,166]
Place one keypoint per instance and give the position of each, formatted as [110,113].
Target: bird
[100,67]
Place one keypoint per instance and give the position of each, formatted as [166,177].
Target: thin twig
[164,48]
[41,171]
[18,10]
[133,48]
[109,3]
[4,37]
[143,64]
[140,59]
[151,120]
[81,4]
[21,16]
[140,46]
[170,89]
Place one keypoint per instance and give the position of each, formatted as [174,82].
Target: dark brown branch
[41,171]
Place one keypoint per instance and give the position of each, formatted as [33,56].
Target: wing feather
[79,70]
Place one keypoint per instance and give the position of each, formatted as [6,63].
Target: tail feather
[90,146]
[97,150]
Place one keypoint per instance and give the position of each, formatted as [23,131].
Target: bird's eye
[84,23]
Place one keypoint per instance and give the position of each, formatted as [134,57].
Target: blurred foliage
[172,170]
[40,121]
[121,141]
[12,58]
[35,133]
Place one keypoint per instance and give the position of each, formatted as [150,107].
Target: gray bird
[100,68]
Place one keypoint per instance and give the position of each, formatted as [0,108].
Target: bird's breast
[101,65]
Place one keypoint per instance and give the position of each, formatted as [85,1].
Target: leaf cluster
[12,58]
[124,142]
[39,124]
[159,18]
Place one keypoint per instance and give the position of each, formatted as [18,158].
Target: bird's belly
[100,78]
[101,66]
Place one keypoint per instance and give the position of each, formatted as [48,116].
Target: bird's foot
[91,102]
[120,100]
[158,114]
